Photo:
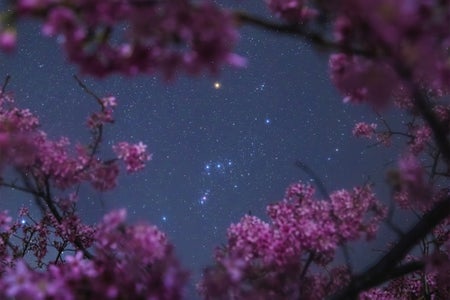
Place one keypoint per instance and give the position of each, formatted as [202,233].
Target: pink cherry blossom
[413,182]
[292,10]
[422,136]
[363,80]
[134,156]
[362,129]
[8,40]
[410,34]
[153,38]
[300,226]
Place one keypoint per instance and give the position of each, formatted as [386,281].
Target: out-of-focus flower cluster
[294,11]
[130,262]
[8,40]
[132,37]
[15,139]
[408,40]
[270,260]
[385,44]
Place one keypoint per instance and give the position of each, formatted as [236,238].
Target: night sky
[218,151]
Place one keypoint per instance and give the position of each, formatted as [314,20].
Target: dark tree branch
[300,30]
[319,183]
[5,83]
[20,188]
[385,268]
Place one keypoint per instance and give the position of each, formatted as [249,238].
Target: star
[204,198]
[217,85]
[260,87]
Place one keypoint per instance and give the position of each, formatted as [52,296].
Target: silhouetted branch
[97,135]
[87,90]
[5,83]
[300,30]
[319,183]
[385,269]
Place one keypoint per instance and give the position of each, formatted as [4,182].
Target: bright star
[217,85]
[204,198]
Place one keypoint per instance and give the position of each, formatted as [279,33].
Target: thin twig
[319,183]
[300,30]
[5,83]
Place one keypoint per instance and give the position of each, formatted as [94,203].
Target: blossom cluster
[422,136]
[130,262]
[134,156]
[294,11]
[50,257]
[375,29]
[362,129]
[402,40]
[132,37]
[434,280]
[8,40]
[364,80]
[301,230]
[22,144]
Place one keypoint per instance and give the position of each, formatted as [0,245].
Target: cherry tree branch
[385,268]
[301,31]
[319,183]
[5,83]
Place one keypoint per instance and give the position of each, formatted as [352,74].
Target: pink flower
[412,176]
[363,80]
[20,283]
[98,119]
[165,37]
[109,101]
[134,156]
[294,11]
[103,177]
[362,129]
[80,267]
[8,40]
[413,34]
[422,136]
[271,254]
